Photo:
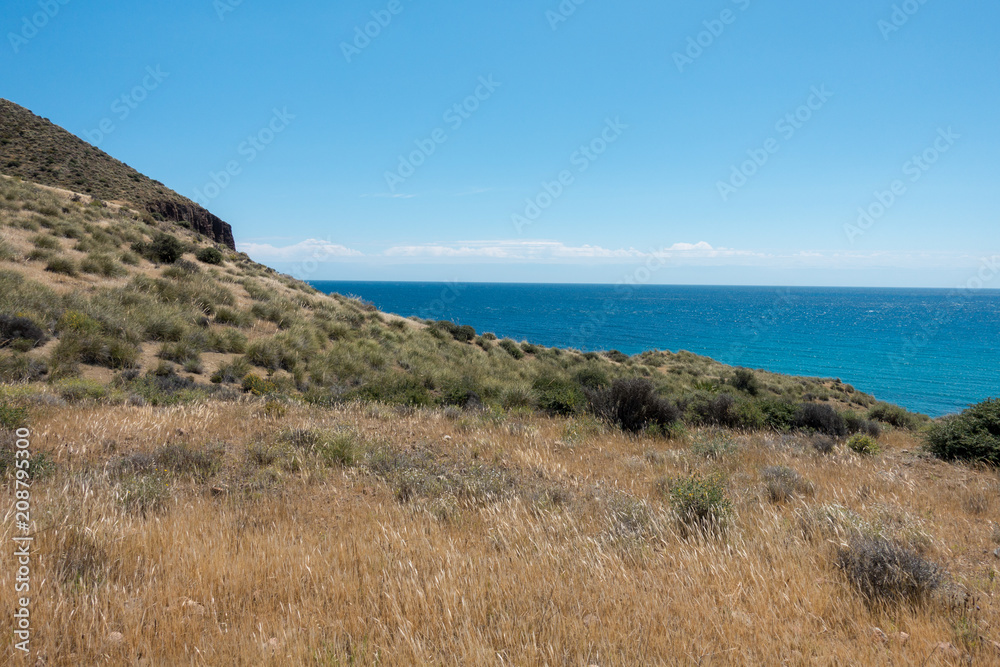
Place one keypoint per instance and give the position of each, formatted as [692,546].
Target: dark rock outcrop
[201,221]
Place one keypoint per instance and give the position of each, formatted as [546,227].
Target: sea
[934,351]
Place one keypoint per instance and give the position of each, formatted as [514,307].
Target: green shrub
[63,265]
[14,328]
[12,417]
[103,265]
[232,372]
[19,367]
[80,390]
[699,501]
[95,349]
[232,317]
[45,242]
[209,255]
[558,396]
[395,387]
[258,386]
[129,258]
[163,249]
[592,377]
[894,415]
[973,435]
[340,449]
[744,380]
[864,445]
[616,356]
[512,348]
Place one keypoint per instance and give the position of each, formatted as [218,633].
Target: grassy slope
[291,529]
[205,317]
[216,534]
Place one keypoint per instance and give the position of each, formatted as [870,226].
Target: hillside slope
[37,150]
[117,298]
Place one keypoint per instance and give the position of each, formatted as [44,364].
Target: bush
[96,350]
[45,242]
[13,328]
[886,572]
[857,424]
[12,417]
[709,410]
[163,249]
[232,372]
[820,418]
[103,265]
[972,436]
[893,415]
[777,415]
[616,356]
[209,255]
[341,449]
[865,445]
[258,386]
[62,265]
[700,501]
[745,380]
[632,405]
[81,390]
[512,348]
[557,396]
[21,368]
[592,377]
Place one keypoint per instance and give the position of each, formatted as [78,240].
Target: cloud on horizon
[521,251]
[310,249]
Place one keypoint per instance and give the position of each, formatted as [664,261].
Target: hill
[37,150]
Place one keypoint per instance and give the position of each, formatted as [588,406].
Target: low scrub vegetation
[973,435]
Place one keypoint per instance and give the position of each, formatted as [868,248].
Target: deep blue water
[932,351]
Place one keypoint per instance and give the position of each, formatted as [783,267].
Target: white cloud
[310,249]
[539,251]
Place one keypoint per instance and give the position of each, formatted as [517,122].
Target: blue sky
[728,142]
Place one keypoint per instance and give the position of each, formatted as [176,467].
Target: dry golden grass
[289,561]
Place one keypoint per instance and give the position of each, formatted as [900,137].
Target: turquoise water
[932,351]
